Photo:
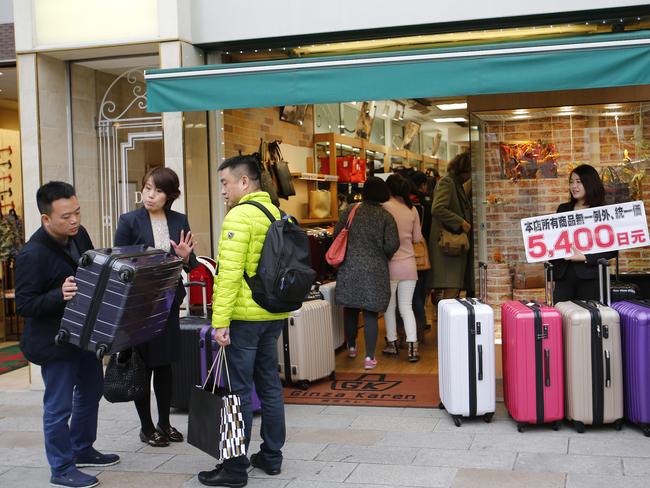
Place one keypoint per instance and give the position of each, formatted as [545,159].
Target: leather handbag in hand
[451,244]
[125,379]
[422,261]
[336,253]
[281,171]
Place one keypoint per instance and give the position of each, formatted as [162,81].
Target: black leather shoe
[257,461]
[220,477]
[171,433]
[155,440]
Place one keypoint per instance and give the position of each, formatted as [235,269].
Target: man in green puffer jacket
[250,332]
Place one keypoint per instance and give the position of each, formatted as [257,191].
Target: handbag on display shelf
[266,181]
[125,379]
[358,174]
[320,204]
[451,244]
[422,261]
[215,409]
[616,189]
[336,253]
[281,171]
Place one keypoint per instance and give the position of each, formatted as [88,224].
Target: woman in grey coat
[362,282]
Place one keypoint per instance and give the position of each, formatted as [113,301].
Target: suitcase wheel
[618,425]
[487,418]
[60,337]
[556,425]
[441,406]
[646,431]
[333,376]
[580,427]
[100,352]
[85,260]
[302,385]
[457,421]
[521,427]
[126,275]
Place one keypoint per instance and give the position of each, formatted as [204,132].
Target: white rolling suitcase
[338,332]
[306,345]
[466,362]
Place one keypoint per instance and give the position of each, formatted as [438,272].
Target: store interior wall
[594,141]
[10,136]
[244,128]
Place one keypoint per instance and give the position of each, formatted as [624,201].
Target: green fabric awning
[607,60]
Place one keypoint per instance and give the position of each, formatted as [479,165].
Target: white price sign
[592,230]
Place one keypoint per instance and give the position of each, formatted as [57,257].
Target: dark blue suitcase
[123,299]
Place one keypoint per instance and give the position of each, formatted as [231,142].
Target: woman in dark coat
[576,276]
[158,226]
[362,281]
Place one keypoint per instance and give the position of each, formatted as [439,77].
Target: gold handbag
[453,244]
[320,204]
[422,261]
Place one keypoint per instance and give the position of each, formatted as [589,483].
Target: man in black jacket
[73,378]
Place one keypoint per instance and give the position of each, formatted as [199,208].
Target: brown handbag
[422,261]
[453,244]
[528,275]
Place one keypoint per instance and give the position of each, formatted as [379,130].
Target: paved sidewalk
[344,447]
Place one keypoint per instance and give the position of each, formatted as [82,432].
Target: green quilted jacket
[242,237]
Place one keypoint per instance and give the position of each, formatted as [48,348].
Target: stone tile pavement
[344,447]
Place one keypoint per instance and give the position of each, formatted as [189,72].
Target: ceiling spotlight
[520,111]
[452,106]
[442,120]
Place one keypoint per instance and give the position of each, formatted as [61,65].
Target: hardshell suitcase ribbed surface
[124,297]
[338,332]
[635,336]
[592,363]
[305,347]
[186,372]
[208,348]
[466,362]
[533,366]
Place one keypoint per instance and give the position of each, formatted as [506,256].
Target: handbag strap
[219,364]
[351,215]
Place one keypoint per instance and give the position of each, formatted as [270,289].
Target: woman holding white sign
[576,276]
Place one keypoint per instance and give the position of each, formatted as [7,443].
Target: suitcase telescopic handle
[482,281]
[204,295]
[603,281]
[549,283]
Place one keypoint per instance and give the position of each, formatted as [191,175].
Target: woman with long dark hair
[157,225]
[402,268]
[576,276]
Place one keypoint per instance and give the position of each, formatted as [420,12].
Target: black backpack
[284,274]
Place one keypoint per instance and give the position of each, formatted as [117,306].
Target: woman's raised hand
[185,245]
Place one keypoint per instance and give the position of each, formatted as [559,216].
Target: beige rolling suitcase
[338,333]
[593,363]
[306,345]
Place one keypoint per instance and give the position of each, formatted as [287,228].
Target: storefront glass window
[522,160]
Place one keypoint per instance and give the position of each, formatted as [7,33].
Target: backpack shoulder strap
[261,207]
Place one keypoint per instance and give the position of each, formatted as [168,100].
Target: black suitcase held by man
[123,299]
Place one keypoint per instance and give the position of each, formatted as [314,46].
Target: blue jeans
[253,357]
[73,388]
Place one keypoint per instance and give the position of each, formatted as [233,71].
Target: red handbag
[358,171]
[335,255]
[344,168]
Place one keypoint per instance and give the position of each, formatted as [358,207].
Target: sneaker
[91,458]
[391,348]
[352,352]
[369,363]
[74,479]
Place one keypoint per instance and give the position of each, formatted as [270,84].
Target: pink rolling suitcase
[533,367]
